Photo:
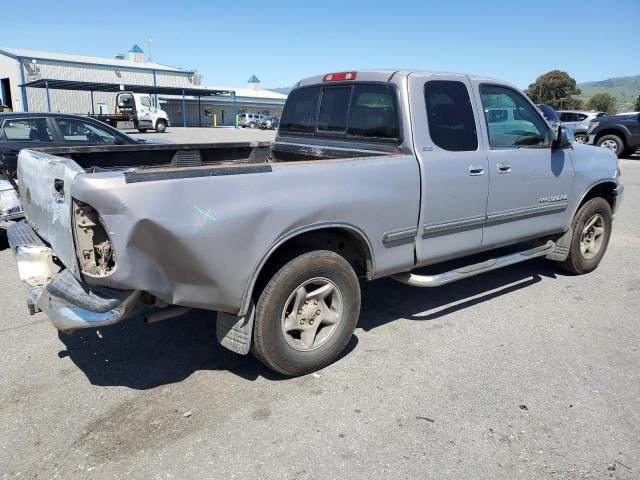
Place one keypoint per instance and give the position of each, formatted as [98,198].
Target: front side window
[525,128]
[145,101]
[452,125]
[78,131]
[27,130]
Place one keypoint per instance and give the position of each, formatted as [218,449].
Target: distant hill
[284,90]
[624,89]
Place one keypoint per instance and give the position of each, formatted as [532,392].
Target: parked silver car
[251,120]
[578,121]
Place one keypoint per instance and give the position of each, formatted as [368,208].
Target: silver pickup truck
[372,174]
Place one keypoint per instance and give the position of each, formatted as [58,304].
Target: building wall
[67,101]
[9,69]
[224,111]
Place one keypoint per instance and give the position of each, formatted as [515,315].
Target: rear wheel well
[605,190]
[346,243]
[615,132]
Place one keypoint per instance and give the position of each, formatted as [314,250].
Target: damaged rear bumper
[69,303]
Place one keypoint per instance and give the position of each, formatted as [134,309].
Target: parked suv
[578,120]
[619,133]
[251,120]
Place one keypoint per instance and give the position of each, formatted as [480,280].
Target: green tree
[604,102]
[636,107]
[555,88]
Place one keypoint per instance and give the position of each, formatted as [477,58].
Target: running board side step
[414,280]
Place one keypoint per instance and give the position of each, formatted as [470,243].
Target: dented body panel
[198,241]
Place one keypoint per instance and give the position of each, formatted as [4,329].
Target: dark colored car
[618,133]
[20,130]
[550,115]
[269,123]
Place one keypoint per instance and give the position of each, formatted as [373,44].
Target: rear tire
[306,314]
[613,143]
[591,233]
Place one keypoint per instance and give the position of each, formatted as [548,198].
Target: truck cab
[137,108]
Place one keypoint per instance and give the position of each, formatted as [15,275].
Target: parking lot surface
[521,373]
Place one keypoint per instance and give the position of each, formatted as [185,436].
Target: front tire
[161,126]
[591,233]
[613,143]
[306,314]
[581,138]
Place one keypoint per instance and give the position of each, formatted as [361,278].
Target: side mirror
[564,137]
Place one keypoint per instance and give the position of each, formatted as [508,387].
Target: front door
[453,166]
[529,180]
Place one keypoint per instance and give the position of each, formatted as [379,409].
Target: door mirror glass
[564,137]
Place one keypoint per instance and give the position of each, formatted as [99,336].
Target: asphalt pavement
[520,373]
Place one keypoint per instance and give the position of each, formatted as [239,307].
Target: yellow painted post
[237,121]
[215,120]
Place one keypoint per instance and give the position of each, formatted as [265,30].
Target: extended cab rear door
[453,163]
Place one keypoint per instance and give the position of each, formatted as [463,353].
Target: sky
[283,41]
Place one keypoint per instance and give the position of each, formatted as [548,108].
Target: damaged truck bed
[192,225]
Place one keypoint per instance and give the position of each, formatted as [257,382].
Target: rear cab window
[346,110]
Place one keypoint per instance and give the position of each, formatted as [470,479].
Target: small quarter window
[452,125]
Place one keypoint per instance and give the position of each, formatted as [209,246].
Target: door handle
[475,170]
[504,167]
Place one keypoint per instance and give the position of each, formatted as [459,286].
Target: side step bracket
[414,280]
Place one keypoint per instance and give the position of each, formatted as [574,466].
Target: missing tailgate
[93,245]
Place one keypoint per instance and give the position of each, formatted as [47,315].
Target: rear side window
[301,111]
[27,130]
[352,110]
[452,125]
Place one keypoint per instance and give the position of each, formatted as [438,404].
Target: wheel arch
[603,188]
[618,132]
[342,238]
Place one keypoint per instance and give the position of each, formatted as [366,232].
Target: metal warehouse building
[21,68]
